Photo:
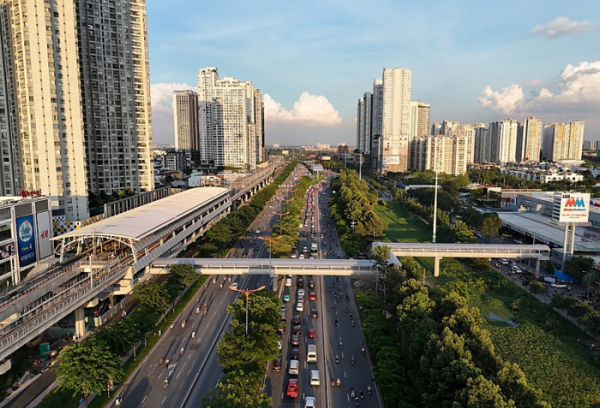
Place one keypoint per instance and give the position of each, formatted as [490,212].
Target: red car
[312,296]
[311,333]
[292,388]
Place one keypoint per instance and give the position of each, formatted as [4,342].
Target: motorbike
[181,352]
[166,384]
[339,382]
[362,394]
[183,324]
[346,309]
[197,310]
[352,360]
[193,335]
[352,323]
[341,345]
[337,358]
[362,350]
[356,401]
[369,390]
[160,361]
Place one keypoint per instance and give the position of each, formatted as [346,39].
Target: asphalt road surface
[193,374]
[357,375]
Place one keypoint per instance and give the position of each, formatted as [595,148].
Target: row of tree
[88,367]
[289,224]
[227,231]
[433,351]
[244,357]
[352,207]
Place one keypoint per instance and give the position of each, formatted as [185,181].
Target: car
[300,292]
[293,255]
[503,261]
[234,285]
[301,256]
[245,253]
[292,388]
[297,329]
[257,231]
[300,299]
[256,247]
[288,282]
[296,320]
[279,344]
[286,297]
[295,340]
[312,296]
[282,316]
[314,313]
[299,307]
[295,354]
[283,307]
[276,366]
[310,402]
[281,328]
[314,377]
[311,333]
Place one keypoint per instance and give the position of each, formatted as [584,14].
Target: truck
[313,249]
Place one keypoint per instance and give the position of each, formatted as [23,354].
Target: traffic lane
[211,372]
[147,384]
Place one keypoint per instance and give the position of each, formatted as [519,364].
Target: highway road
[357,375]
[196,372]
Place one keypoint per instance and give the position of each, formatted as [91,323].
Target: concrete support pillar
[436,266]
[537,266]
[80,322]
[274,282]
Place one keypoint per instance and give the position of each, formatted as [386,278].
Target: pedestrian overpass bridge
[439,251]
[264,266]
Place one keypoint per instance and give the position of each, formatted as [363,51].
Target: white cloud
[532,83]
[311,110]
[162,94]
[563,26]
[506,100]
[580,86]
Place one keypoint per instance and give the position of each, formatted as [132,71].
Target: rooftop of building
[541,227]
[143,221]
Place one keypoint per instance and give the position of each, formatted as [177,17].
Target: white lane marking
[188,374]
[345,374]
[189,355]
[144,399]
[342,354]
[216,385]
[163,401]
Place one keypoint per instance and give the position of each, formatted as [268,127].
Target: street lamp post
[435,206]
[247,293]
[270,239]
[280,220]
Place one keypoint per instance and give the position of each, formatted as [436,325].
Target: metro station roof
[147,219]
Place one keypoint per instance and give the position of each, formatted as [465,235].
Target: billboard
[25,240]
[325,158]
[44,234]
[387,160]
[574,207]
[285,152]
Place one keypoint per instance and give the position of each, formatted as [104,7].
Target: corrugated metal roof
[141,222]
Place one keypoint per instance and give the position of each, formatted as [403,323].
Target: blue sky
[471,60]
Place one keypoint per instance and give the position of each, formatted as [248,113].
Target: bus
[313,249]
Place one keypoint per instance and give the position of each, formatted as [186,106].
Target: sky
[472,61]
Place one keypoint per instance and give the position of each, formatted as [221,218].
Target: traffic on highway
[323,361]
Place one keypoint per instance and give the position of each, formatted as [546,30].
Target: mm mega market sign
[574,207]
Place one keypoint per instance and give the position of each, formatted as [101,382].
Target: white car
[300,307]
[314,377]
[234,285]
[288,281]
[310,402]
[301,256]
[279,344]
[300,292]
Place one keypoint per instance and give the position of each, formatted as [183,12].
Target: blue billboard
[25,240]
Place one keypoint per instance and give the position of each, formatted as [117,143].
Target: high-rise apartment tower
[185,118]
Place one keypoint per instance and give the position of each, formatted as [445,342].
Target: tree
[579,266]
[461,233]
[381,254]
[491,224]
[185,274]
[239,389]
[152,296]
[87,367]
[538,288]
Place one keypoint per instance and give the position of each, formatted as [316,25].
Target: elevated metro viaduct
[123,247]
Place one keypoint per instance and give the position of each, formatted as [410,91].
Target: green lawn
[402,226]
